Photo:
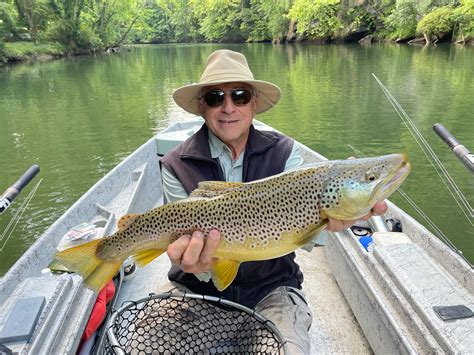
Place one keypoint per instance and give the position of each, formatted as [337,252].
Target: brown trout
[259,220]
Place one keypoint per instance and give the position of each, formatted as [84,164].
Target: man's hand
[336,225]
[194,254]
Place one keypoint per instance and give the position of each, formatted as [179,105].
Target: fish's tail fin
[83,260]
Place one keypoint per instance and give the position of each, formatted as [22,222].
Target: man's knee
[287,308]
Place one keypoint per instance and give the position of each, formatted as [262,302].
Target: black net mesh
[185,324]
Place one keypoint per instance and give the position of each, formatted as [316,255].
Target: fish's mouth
[392,182]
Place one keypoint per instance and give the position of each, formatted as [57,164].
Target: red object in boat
[99,310]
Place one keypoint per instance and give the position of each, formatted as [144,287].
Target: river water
[78,117]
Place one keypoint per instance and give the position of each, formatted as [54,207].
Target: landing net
[185,323]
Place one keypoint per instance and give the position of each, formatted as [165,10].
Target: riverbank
[18,52]
[27,51]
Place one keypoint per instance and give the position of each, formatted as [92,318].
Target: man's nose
[228,105]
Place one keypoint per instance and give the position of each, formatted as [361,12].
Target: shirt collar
[196,148]
[218,148]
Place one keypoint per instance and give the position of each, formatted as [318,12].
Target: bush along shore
[24,51]
[40,29]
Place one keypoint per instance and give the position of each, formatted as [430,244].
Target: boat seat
[425,284]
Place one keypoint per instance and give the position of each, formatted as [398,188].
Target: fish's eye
[370,176]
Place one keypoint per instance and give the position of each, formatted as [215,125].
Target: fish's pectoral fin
[214,188]
[147,256]
[83,260]
[126,221]
[311,233]
[223,273]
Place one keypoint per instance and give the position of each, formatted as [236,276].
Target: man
[228,147]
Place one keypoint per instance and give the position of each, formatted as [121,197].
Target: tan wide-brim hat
[226,66]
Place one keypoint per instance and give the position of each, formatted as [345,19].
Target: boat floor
[334,328]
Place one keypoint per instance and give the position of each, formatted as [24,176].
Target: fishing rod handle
[445,135]
[377,224]
[26,177]
[12,192]
[463,154]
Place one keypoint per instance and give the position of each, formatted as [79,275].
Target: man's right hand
[194,254]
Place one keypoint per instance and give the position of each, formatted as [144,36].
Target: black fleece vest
[265,155]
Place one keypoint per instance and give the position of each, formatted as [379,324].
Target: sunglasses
[214,98]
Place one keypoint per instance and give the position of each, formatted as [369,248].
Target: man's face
[230,121]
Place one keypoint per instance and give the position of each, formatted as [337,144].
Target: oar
[458,149]
[12,192]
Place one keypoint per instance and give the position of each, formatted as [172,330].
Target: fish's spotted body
[259,220]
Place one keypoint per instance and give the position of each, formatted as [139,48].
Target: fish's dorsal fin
[223,273]
[215,188]
[218,185]
[126,221]
[191,199]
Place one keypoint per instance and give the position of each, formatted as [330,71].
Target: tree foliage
[8,22]
[33,14]
[266,20]
[437,23]
[316,18]
[401,23]
[463,17]
[220,20]
[88,25]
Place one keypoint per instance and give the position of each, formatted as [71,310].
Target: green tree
[154,26]
[66,27]
[463,17]
[426,6]
[8,20]
[33,14]
[277,16]
[220,19]
[254,26]
[316,18]
[436,24]
[112,20]
[265,20]
[184,22]
[401,23]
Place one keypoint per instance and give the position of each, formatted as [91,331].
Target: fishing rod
[14,190]
[435,162]
[460,151]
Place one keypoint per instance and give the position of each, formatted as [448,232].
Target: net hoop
[115,347]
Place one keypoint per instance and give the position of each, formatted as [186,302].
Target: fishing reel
[364,233]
